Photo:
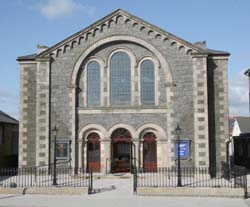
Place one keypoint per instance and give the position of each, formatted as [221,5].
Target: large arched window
[93,83]
[120,79]
[147,83]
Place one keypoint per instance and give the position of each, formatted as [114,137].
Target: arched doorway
[93,153]
[149,151]
[121,151]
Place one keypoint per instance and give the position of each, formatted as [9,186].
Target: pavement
[116,192]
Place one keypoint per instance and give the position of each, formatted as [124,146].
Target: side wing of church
[116,91]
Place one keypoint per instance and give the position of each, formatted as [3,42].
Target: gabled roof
[129,16]
[5,118]
[244,124]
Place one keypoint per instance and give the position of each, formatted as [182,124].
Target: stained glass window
[147,83]
[93,84]
[120,79]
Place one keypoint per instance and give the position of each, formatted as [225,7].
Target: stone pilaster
[171,127]
[135,151]
[42,111]
[218,108]
[105,157]
[201,135]
[27,104]
[72,121]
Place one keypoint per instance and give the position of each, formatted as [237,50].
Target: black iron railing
[191,177]
[42,177]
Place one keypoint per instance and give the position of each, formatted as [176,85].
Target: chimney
[201,44]
[41,48]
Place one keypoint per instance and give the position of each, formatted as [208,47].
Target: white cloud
[9,103]
[238,95]
[55,9]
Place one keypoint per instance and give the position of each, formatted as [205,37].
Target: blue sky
[223,24]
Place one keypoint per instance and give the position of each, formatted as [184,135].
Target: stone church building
[116,91]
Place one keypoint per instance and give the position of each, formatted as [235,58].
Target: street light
[178,132]
[54,132]
[247,73]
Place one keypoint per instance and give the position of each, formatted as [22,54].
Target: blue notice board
[184,149]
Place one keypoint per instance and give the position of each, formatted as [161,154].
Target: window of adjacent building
[240,149]
[120,79]
[248,150]
[14,142]
[1,134]
[93,84]
[147,83]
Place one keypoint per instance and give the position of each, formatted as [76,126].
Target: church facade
[116,91]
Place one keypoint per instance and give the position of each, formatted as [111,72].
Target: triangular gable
[114,16]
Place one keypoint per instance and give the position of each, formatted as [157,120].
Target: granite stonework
[190,89]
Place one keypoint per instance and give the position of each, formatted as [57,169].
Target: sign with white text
[184,149]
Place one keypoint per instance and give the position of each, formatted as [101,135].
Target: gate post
[135,181]
[90,190]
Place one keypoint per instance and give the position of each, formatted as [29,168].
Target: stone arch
[66,47]
[104,27]
[128,21]
[125,126]
[95,31]
[158,36]
[119,19]
[174,44]
[99,43]
[189,51]
[90,128]
[156,129]
[128,51]
[58,52]
[80,39]
[135,25]
[73,43]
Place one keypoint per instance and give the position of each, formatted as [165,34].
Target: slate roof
[216,52]
[27,57]
[244,124]
[5,118]
[70,38]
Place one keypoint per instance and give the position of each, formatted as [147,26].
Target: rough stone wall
[27,118]
[218,109]
[179,61]
[135,120]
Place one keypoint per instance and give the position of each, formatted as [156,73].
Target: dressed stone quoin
[116,91]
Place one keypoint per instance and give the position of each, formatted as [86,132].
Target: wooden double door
[121,151]
[149,152]
[93,153]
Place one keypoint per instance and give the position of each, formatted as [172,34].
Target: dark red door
[149,152]
[93,153]
[121,151]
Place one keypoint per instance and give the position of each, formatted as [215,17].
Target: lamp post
[178,132]
[247,73]
[54,132]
